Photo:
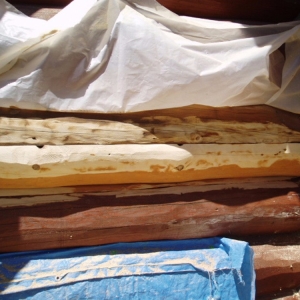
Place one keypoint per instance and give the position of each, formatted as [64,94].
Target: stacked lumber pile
[71,180]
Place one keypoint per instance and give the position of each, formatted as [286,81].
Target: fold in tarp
[121,56]
[214,268]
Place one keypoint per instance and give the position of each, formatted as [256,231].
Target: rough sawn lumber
[82,216]
[52,166]
[277,265]
[201,125]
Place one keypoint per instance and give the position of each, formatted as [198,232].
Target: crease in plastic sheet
[121,56]
[215,268]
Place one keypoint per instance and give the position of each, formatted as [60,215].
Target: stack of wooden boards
[71,180]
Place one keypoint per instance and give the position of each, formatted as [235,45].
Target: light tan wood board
[51,166]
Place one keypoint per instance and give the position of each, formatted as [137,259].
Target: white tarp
[120,56]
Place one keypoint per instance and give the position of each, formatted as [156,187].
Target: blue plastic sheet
[214,268]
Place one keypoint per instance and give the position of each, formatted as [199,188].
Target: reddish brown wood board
[277,265]
[247,10]
[291,294]
[44,3]
[44,12]
[95,218]
[277,268]
[272,11]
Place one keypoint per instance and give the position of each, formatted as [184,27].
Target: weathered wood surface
[44,3]
[35,196]
[52,166]
[90,217]
[289,295]
[277,265]
[96,164]
[248,114]
[254,10]
[292,294]
[212,9]
[277,268]
[191,124]
[45,11]
[149,130]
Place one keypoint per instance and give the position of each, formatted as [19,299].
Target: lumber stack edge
[39,209]
[95,215]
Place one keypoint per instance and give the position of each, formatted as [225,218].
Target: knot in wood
[36,167]
[180,167]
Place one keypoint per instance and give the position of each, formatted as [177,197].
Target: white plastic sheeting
[120,56]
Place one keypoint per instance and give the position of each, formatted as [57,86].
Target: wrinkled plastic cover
[215,268]
[121,56]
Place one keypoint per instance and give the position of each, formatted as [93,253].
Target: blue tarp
[214,268]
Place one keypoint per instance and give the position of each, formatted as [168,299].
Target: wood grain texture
[255,10]
[94,218]
[292,294]
[277,268]
[277,265]
[148,130]
[192,124]
[52,166]
[36,196]
[255,113]
[44,3]
[44,12]
[246,10]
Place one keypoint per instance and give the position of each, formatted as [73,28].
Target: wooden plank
[189,211]
[292,294]
[263,10]
[255,113]
[277,268]
[35,196]
[155,129]
[43,11]
[246,10]
[68,131]
[52,166]
[44,3]
[190,124]
[277,265]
